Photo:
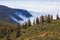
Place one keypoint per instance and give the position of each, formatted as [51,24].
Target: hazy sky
[31,0]
[33,5]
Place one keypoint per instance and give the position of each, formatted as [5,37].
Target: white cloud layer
[33,6]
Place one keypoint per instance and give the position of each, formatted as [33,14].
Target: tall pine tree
[34,22]
[57,17]
[18,31]
[42,19]
[49,19]
[45,18]
[25,25]
[37,20]
[29,22]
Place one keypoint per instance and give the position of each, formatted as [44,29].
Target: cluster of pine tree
[39,20]
[4,31]
[46,18]
[42,19]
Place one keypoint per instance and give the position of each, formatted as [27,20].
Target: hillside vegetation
[45,29]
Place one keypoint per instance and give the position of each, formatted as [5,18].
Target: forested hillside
[43,28]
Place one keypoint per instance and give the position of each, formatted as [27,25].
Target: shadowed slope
[6,13]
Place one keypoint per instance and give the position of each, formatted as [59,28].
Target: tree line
[47,18]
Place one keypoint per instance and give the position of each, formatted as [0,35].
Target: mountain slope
[48,31]
[11,15]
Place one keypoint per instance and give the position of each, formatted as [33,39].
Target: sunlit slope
[48,31]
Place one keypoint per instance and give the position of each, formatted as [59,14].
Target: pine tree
[29,22]
[37,20]
[57,16]
[34,22]
[18,31]
[45,18]
[18,26]
[42,19]
[25,25]
[49,19]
